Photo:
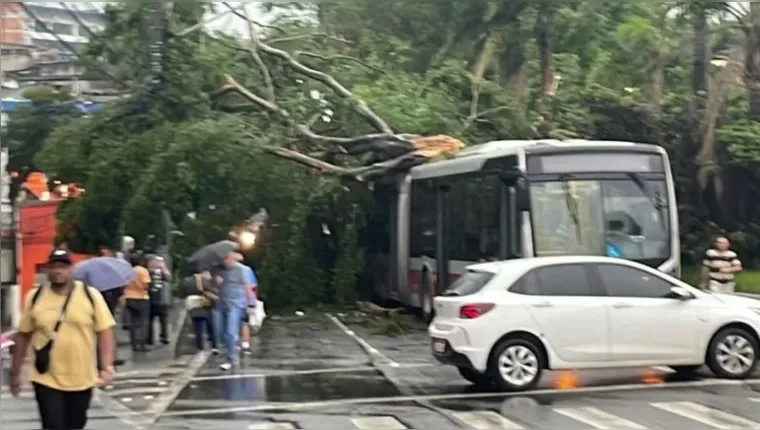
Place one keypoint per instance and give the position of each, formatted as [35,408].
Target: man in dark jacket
[160,298]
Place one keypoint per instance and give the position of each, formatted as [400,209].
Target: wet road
[318,373]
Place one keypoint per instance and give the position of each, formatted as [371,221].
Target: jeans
[204,325]
[228,326]
[62,410]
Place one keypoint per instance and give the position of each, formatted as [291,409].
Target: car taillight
[474,310]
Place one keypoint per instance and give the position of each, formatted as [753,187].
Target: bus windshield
[626,218]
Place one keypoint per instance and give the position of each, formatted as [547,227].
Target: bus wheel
[426,289]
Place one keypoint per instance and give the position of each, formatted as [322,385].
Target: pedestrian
[63,320]
[160,294]
[250,288]
[125,253]
[137,304]
[720,266]
[201,298]
[111,298]
[232,305]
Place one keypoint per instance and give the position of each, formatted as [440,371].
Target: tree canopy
[350,90]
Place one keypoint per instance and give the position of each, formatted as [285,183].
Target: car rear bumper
[460,350]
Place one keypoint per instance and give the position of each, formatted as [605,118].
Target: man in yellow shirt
[63,321]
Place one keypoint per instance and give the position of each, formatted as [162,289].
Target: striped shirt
[716,260]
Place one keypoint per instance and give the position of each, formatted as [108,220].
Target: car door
[571,312]
[646,323]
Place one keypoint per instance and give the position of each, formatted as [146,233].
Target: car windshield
[469,283]
[626,218]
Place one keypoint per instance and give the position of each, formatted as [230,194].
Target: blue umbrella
[104,273]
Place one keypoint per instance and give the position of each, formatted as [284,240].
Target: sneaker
[245,345]
[214,351]
[226,366]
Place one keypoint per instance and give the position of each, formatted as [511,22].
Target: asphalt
[333,372]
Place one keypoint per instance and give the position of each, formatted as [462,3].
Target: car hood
[730,299]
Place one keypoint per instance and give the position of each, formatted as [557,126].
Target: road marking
[378,423]
[706,415]
[461,396]
[160,406]
[306,372]
[269,425]
[755,399]
[137,390]
[363,343]
[485,420]
[598,419]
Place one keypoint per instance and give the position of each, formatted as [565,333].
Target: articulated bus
[516,199]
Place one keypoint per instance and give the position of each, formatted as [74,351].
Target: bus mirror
[522,195]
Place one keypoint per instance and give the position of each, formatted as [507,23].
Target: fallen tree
[389,152]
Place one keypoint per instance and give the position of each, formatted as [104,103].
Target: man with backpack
[160,294]
[63,321]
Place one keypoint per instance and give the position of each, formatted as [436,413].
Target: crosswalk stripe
[486,420]
[269,425]
[378,423]
[598,419]
[705,415]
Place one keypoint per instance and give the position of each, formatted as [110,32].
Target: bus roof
[472,158]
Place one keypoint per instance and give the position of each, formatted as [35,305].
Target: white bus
[516,199]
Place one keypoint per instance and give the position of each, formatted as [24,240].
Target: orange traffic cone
[566,380]
[649,376]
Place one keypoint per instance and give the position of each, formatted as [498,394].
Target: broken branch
[254,50]
[338,57]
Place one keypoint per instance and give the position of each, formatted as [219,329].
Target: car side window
[622,281]
[527,285]
[564,280]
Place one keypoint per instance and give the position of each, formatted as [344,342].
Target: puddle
[291,388]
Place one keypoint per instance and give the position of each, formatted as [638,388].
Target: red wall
[37,228]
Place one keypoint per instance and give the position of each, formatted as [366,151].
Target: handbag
[195,301]
[42,355]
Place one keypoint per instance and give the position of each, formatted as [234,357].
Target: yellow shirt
[73,366]
[138,287]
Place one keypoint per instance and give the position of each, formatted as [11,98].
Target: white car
[506,322]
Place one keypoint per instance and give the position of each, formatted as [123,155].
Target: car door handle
[543,305]
[622,305]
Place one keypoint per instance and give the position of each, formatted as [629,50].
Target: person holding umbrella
[108,275]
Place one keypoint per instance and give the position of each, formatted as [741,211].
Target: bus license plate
[439,346]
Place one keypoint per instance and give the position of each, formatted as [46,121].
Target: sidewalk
[21,413]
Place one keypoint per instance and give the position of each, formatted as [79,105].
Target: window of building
[63,28]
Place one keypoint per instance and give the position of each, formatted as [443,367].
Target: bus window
[422,232]
[474,220]
[567,217]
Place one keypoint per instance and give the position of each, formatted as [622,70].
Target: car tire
[477,378]
[426,291]
[741,343]
[523,351]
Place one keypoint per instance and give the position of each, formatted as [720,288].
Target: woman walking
[137,305]
[202,295]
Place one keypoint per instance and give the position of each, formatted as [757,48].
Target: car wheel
[733,354]
[516,364]
[426,289]
[474,376]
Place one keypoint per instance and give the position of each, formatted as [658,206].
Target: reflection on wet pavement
[304,344]
[292,388]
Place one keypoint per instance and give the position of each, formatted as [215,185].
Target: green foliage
[622,71]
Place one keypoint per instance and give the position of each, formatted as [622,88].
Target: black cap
[59,256]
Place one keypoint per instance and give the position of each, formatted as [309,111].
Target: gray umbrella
[211,255]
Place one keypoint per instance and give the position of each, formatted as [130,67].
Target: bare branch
[338,57]
[738,14]
[308,36]
[273,27]
[254,50]
[362,174]
[211,19]
[232,84]
[477,116]
[359,105]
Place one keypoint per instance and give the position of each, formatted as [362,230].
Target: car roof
[525,264]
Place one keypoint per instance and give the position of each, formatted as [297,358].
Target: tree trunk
[752,63]
[701,56]
[543,43]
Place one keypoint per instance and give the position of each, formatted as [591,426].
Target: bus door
[511,204]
